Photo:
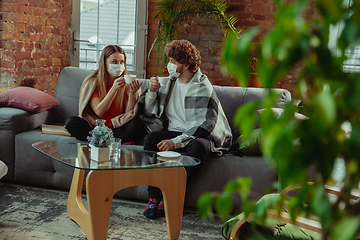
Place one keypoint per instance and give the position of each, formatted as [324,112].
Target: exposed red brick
[41,63]
[35,37]
[28,28]
[6,64]
[260,9]
[7,26]
[29,64]
[260,17]
[28,46]
[48,62]
[38,12]
[263,2]
[46,29]
[22,55]
[23,2]
[23,36]
[8,1]
[65,62]
[9,17]
[38,3]
[8,45]
[40,55]
[38,46]
[11,8]
[9,55]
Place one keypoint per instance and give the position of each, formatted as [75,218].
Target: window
[352,63]
[107,22]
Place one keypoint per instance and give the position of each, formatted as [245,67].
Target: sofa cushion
[28,99]
[278,111]
[232,98]
[251,146]
[67,92]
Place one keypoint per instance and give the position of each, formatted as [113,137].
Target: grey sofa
[19,129]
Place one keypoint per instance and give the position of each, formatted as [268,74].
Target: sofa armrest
[12,122]
[17,120]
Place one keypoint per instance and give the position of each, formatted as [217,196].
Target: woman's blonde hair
[103,76]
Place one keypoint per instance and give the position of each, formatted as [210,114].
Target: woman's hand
[166,145]
[118,83]
[134,86]
[154,84]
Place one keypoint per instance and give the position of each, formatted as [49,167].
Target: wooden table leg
[174,195]
[75,207]
[102,185]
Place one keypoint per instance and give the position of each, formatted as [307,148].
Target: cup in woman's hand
[129,78]
[163,80]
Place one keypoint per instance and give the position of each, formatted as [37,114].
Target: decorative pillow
[250,146]
[28,99]
[278,111]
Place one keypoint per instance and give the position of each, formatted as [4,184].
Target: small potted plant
[99,140]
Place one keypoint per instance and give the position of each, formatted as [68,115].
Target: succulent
[101,136]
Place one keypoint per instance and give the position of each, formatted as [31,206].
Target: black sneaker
[160,209]
[151,209]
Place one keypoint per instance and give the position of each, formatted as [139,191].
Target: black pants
[132,131]
[198,148]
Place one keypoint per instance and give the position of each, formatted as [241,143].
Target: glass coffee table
[132,168]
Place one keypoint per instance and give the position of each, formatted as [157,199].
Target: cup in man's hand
[163,80]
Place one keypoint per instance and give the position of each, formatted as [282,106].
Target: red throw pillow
[28,99]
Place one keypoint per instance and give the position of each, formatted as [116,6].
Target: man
[193,121]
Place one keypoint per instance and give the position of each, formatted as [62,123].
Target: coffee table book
[54,129]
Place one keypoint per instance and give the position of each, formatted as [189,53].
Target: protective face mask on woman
[172,70]
[116,70]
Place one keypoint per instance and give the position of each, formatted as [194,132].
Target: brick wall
[35,38]
[207,35]
[35,41]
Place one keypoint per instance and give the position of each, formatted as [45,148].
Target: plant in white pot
[99,140]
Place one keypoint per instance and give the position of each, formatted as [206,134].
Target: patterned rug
[37,213]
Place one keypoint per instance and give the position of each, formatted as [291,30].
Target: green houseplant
[173,13]
[304,150]
[99,140]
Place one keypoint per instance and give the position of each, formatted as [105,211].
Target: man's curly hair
[184,52]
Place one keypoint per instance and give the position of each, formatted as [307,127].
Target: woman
[105,95]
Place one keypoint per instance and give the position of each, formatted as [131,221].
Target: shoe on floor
[151,209]
[160,209]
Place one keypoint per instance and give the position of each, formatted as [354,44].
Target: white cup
[129,78]
[163,80]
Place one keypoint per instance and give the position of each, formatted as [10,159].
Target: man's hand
[166,145]
[154,84]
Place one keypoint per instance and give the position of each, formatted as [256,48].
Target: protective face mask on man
[172,70]
[116,70]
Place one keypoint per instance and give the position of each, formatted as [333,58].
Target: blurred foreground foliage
[303,150]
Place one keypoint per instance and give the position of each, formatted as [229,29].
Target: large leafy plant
[173,13]
[304,150]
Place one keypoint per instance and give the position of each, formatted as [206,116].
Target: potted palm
[173,13]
